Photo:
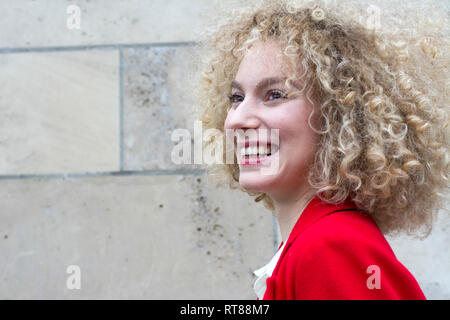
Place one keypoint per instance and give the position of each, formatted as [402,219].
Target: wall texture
[86,178]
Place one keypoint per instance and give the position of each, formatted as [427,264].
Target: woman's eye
[235,98]
[277,94]
[272,95]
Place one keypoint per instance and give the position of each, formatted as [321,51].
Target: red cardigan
[337,252]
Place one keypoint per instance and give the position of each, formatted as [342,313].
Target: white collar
[265,272]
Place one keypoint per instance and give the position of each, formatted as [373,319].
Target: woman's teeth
[252,152]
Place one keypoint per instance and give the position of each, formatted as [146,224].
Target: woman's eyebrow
[261,85]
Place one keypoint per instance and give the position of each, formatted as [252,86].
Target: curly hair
[382,98]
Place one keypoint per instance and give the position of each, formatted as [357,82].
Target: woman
[361,147]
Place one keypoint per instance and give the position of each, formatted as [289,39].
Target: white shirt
[265,272]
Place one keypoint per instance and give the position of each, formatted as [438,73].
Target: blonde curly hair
[382,99]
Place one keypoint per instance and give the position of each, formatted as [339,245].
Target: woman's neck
[289,210]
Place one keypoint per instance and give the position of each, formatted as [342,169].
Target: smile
[256,153]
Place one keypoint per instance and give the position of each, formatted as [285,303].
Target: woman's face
[257,104]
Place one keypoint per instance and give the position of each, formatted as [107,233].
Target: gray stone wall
[86,177]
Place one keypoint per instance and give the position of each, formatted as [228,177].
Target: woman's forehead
[264,59]
[268,48]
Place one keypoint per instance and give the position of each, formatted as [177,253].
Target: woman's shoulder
[342,229]
[344,255]
[347,240]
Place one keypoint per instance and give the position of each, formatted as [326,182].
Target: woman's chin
[253,181]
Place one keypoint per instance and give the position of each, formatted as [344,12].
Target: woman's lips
[256,161]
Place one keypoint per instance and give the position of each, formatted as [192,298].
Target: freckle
[161,205]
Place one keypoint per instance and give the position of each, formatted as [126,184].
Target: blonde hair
[382,99]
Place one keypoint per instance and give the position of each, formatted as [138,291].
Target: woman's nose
[244,116]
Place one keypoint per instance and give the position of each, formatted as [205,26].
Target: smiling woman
[268,104]
[362,146]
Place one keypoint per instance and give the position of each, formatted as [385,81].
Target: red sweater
[335,254]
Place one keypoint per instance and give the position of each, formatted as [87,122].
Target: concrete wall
[85,172]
